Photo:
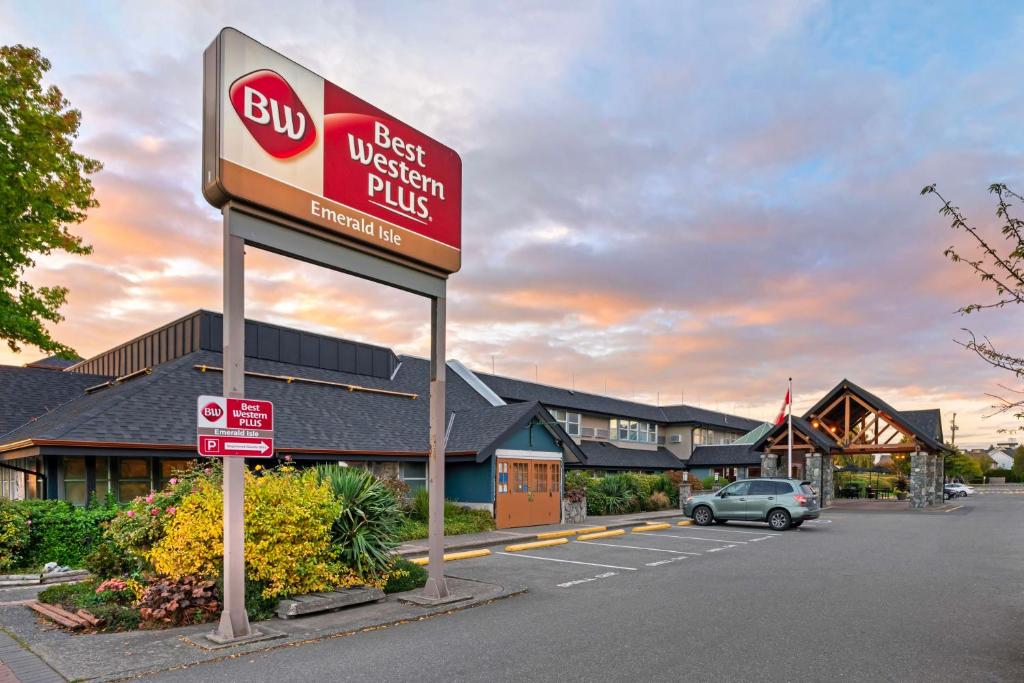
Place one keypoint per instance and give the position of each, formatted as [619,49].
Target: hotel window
[102,478]
[414,474]
[75,486]
[570,421]
[635,430]
[702,436]
[172,468]
[133,478]
[11,484]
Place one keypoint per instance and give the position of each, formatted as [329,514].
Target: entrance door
[527,492]
[734,501]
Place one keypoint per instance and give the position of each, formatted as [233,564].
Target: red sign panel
[240,427]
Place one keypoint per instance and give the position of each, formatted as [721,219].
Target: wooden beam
[861,449]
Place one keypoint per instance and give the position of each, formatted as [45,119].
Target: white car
[959,490]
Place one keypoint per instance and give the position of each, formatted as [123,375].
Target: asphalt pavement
[858,596]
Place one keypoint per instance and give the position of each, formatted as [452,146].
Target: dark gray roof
[929,421]
[924,430]
[27,393]
[484,429]
[604,455]
[685,414]
[559,397]
[728,455]
[53,363]
[823,442]
[159,408]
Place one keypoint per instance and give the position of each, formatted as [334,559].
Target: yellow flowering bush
[288,550]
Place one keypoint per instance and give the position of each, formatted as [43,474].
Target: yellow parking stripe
[535,544]
[601,534]
[685,522]
[651,527]
[448,557]
[570,532]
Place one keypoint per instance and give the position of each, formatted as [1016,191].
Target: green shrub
[63,533]
[108,560]
[116,617]
[258,607]
[420,508]
[709,482]
[405,576]
[575,486]
[457,520]
[66,594]
[364,531]
[15,535]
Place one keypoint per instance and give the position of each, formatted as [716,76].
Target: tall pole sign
[302,167]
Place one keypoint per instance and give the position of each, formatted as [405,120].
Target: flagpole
[789,462]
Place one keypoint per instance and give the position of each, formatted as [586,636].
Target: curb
[523,538]
[450,557]
[516,547]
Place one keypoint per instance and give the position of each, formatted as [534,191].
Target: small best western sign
[234,426]
[280,137]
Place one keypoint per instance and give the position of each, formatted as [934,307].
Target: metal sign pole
[234,622]
[436,587]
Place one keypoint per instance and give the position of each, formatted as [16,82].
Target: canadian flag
[781,417]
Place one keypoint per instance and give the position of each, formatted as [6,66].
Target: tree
[1018,463]
[1002,267]
[959,465]
[44,188]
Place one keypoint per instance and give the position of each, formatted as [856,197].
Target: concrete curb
[524,537]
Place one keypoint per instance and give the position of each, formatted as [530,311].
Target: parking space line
[737,531]
[697,538]
[555,559]
[634,547]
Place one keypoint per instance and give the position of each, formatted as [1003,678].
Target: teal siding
[536,438]
[469,482]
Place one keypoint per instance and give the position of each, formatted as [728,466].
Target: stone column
[930,481]
[684,493]
[812,471]
[940,477]
[918,480]
[769,465]
[828,483]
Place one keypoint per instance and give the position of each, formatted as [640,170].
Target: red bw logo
[212,412]
[273,113]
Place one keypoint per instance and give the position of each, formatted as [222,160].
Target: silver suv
[783,503]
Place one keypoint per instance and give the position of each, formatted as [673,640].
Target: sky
[662,201]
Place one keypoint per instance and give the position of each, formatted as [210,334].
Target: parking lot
[859,596]
[579,564]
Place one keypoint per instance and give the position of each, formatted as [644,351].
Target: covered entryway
[528,489]
[850,429]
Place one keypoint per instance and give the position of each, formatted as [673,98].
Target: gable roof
[29,393]
[803,426]
[609,456]
[726,454]
[560,397]
[484,430]
[53,363]
[923,429]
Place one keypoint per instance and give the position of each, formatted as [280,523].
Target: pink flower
[174,481]
[29,522]
[207,470]
[171,510]
[130,513]
[287,458]
[154,511]
[149,498]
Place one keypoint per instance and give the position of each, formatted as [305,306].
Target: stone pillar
[769,465]
[918,480]
[684,493]
[574,512]
[812,471]
[940,477]
[827,481]
[929,493]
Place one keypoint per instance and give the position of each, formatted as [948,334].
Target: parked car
[959,490]
[782,503]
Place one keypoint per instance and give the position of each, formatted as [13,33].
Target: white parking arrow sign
[234,446]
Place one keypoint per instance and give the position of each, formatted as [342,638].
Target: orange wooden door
[527,492]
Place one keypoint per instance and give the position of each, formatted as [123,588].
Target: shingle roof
[728,454]
[559,397]
[605,455]
[923,430]
[482,430]
[159,408]
[28,393]
[53,363]
[929,421]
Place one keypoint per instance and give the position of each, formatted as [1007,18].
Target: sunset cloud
[685,200]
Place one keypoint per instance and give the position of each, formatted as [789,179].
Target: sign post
[301,167]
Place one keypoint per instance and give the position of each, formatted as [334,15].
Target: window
[133,478]
[540,477]
[12,484]
[703,436]
[763,488]
[556,478]
[740,489]
[634,430]
[520,483]
[570,421]
[502,477]
[102,477]
[75,486]
[414,474]
[172,468]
